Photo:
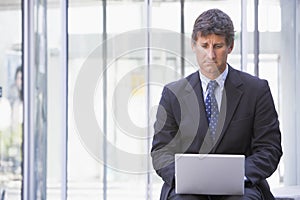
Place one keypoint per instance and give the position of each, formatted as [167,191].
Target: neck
[211,75]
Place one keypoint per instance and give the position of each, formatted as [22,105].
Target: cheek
[200,56]
[222,55]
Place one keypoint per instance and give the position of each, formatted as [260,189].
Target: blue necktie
[212,110]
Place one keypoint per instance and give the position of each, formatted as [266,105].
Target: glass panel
[289,66]
[250,34]
[11,102]
[55,102]
[160,20]
[40,100]
[119,79]
[269,54]
[126,101]
[165,63]
[35,97]
[85,173]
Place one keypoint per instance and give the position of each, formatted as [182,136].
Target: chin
[212,70]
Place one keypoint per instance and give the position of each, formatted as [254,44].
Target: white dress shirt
[219,90]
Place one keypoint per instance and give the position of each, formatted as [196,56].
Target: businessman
[217,110]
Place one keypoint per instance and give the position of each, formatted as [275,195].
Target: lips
[211,63]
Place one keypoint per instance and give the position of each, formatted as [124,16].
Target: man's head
[213,40]
[18,77]
[214,21]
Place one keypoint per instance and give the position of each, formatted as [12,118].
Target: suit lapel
[194,98]
[232,94]
[194,103]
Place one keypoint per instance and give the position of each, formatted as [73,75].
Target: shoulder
[183,84]
[247,80]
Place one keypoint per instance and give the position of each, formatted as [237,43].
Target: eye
[204,46]
[218,46]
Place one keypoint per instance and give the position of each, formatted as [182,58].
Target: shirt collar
[220,79]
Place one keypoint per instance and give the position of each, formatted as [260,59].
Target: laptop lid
[211,174]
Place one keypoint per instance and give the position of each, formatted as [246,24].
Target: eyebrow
[217,43]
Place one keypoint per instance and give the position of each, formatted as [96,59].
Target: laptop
[210,174]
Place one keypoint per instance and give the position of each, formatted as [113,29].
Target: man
[217,110]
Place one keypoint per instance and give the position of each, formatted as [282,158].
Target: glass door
[11,100]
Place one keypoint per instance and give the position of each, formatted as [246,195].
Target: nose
[211,53]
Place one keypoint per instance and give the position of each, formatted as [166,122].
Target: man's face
[19,80]
[211,52]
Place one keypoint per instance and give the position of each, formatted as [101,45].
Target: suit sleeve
[164,143]
[266,139]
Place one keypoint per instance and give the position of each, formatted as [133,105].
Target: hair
[18,70]
[214,21]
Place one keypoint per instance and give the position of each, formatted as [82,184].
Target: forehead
[211,38]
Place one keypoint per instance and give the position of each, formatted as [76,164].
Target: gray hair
[214,21]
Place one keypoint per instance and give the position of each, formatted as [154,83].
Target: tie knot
[212,86]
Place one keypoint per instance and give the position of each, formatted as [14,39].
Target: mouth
[214,64]
[210,61]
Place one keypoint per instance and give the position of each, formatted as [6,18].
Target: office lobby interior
[80,83]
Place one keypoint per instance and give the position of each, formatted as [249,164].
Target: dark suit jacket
[248,125]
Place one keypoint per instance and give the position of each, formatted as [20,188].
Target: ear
[230,48]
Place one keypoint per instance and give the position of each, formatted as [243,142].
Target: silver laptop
[211,174]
